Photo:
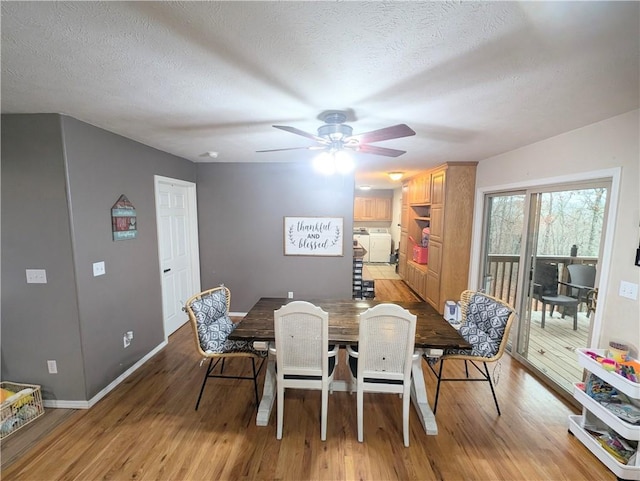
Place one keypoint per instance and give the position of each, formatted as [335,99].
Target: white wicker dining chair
[208,313]
[383,359]
[303,358]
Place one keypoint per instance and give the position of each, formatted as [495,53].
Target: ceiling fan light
[343,162]
[395,175]
[324,163]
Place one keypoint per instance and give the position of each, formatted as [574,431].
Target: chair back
[545,279]
[208,313]
[582,274]
[386,343]
[486,325]
[301,340]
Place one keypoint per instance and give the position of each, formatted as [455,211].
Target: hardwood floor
[147,428]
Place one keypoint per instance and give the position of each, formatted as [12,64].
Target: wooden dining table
[432,332]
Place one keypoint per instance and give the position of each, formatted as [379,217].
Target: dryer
[379,244]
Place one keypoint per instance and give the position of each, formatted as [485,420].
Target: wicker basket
[20,411]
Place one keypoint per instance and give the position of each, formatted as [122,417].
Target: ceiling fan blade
[372,149]
[393,132]
[312,147]
[293,130]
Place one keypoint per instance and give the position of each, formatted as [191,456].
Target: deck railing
[503,271]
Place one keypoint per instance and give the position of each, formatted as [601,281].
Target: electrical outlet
[52,366]
[126,341]
[98,269]
[628,290]
[36,276]
[290,295]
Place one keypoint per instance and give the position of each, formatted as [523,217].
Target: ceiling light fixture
[395,175]
[329,163]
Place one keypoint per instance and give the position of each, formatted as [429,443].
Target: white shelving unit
[594,413]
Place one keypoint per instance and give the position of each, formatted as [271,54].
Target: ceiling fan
[334,136]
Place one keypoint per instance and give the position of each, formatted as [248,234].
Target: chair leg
[439,376]
[466,369]
[495,399]
[405,418]
[544,310]
[360,406]
[575,318]
[280,401]
[206,376]
[255,380]
[323,420]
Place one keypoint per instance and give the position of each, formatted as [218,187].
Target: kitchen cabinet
[372,209]
[403,248]
[441,199]
[594,415]
[420,189]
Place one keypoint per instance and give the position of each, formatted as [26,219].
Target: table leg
[268,393]
[419,397]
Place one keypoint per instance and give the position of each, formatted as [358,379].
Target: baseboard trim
[57,403]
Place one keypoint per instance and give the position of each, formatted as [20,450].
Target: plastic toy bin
[18,411]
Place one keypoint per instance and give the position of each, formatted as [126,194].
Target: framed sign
[123,220]
[313,236]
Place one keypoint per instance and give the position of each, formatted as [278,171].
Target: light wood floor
[147,428]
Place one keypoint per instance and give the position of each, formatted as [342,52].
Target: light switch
[36,276]
[98,269]
[628,290]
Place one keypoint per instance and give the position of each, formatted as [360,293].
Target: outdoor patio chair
[545,290]
[582,279]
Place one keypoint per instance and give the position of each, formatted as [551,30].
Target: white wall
[612,143]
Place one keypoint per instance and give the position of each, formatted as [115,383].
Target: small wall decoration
[313,236]
[123,220]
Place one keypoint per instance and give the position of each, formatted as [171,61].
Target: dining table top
[432,330]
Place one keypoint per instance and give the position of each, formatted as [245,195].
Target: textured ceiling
[473,79]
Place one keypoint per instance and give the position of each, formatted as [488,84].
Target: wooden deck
[551,350]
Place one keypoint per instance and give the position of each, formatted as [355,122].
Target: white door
[178,248]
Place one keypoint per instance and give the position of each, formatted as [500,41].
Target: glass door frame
[476,282]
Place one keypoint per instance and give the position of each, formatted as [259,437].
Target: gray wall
[39,321]
[241,210]
[65,227]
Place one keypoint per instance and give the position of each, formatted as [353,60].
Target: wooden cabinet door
[421,283]
[402,265]
[364,208]
[435,257]
[433,291]
[404,218]
[437,187]
[426,192]
[382,209]
[436,226]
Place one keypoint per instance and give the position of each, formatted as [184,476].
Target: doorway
[546,229]
[177,221]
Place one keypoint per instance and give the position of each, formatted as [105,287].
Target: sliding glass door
[540,254]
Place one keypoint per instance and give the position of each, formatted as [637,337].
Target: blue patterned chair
[486,322]
[209,316]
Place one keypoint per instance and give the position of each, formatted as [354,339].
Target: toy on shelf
[629,369]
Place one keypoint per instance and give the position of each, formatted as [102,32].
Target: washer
[362,236]
[379,244]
